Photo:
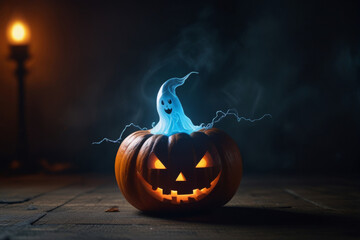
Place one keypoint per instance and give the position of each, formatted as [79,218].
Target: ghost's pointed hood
[172,118]
[171,84]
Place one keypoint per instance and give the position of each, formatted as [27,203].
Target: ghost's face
[169,108]
[166,105]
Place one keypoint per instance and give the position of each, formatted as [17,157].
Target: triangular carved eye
[155,163]
[159,165]
[205,161]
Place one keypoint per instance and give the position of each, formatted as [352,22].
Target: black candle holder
[20,54]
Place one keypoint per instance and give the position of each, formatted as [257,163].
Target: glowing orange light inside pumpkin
[158,164]
[155,163]
[205,162]
[176,198]
[181,177]
[18,33]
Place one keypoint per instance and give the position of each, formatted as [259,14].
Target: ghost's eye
[162,102]
[205,161]
[155,163]
[169,101]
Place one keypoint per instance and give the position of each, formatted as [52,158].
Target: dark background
[97,66]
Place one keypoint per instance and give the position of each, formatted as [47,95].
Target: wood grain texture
[265,207]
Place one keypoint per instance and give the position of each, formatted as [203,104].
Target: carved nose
[181,177]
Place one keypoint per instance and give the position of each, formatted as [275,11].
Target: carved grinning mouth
[176,198]
[168,110]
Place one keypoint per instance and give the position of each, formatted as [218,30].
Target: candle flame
[19,33]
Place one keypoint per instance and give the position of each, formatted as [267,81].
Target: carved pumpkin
[178,172]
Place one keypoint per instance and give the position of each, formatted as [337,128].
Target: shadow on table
[257,216]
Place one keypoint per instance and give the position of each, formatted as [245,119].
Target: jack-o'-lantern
[177,165]
[157,172]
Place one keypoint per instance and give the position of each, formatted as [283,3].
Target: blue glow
[172,118]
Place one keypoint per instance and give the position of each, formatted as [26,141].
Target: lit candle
[19,39]
[18,33]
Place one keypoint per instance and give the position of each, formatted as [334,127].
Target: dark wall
[97,66]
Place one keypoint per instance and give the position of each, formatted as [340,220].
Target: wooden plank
[25,188]
[185,230]
[13,214]
[251,199]
[332,198]
[261,209]
[326,194]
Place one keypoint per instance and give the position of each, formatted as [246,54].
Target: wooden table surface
[266,207]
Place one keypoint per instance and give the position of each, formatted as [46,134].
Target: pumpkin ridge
[128,163]
[122,149]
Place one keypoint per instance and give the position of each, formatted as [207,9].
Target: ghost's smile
[168,110]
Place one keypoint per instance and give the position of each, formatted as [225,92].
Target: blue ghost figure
[171,113]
